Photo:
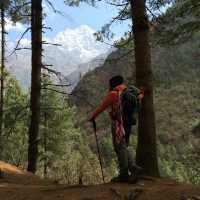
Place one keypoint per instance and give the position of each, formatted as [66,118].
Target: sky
[74,17]
[94,17]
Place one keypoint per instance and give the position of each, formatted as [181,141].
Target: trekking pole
[99,155]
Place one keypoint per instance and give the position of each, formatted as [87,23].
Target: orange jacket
[111,99]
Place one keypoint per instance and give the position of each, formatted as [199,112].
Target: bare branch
[47,27]
[149,10]
[53,8]
[118,5]
[18,43]
[24,48]
[48,65]
[51,70]
[120,16]
[5,32]
[48,43]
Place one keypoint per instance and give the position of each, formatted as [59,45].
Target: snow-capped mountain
[74,77]
[78,46]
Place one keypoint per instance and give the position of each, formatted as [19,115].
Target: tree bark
[146,154]
[36,29]
[45,143]
[2,75]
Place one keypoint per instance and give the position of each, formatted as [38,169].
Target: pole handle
[94,125]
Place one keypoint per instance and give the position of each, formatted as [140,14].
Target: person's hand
[141,95]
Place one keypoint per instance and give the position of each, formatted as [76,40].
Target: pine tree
[15,10]
[36,38]
[146,155]
[2,71]
[16,115]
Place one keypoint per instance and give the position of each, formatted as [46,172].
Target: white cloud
[13,26]
[78,46]
[81,41]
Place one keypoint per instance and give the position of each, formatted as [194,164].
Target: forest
[46,132]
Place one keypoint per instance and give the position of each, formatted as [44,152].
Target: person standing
[119,127]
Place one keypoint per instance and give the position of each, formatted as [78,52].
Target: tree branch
[51,70]
[24,48]
[53,8]
[18,43]
[48,43]
[118,5]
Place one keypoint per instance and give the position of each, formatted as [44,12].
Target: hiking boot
[135,173]
[120,179]
[133,179]
[136,170]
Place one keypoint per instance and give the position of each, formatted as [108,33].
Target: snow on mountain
[82,42]
[74,77]
[78,46]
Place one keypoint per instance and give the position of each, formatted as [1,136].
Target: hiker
[121,128]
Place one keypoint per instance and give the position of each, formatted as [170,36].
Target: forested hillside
[176,73]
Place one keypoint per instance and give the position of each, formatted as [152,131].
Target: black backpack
[130,105]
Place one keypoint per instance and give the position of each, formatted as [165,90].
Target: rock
[133,194]
[195,197]
[117,194]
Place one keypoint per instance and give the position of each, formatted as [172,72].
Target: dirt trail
[20,185]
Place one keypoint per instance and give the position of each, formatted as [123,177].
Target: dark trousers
[124,156]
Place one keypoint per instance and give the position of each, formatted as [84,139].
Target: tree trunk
[2,76]
[45,143]
[36,29]
[146,154]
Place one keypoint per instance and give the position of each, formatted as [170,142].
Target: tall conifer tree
[2,5]
[146,155]
[36,37]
